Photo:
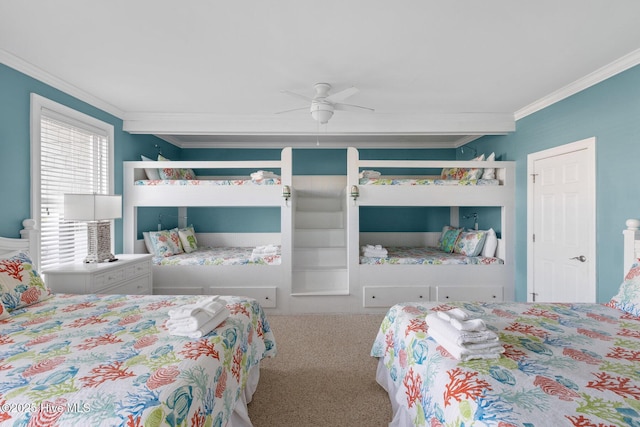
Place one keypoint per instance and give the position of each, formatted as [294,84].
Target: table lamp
[97,210]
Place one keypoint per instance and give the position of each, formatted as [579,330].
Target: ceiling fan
[323,105]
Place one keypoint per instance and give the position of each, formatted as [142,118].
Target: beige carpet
[323,374]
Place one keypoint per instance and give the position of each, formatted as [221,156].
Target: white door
[562,224]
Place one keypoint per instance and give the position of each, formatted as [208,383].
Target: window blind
[74,158]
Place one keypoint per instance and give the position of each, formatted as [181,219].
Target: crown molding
[622,64]
[19,64]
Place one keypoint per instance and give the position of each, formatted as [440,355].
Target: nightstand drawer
[135,270]
[140,286]
[108,279]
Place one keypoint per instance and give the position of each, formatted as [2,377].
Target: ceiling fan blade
[350,107]
[293,109]
[342,95]
[297,95]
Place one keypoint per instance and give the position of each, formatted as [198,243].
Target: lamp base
[99,242]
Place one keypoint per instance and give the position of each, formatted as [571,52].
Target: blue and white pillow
[165,242]
[628,296]
[470,243]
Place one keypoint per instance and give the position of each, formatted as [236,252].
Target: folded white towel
[464,354]
[191,323]
[374,251]
[265,250]
[444,334]
[461,320]
[454,313]
[470,325]
[208,305]
[369,174]
[203,330]
[464,337]
[256,176]
[461,338]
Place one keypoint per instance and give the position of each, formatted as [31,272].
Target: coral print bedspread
[426,255]
[108,360]
[426,181]
[265,181]
[219,256]
[564,365]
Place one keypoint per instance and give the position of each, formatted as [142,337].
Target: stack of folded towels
[464,337]
[374,251]
[263,251]
[198,319]
[369,174]
[260,175]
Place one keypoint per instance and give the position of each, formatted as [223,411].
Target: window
[70,153]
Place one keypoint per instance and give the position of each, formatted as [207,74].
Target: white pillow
[490,173]
[152,173]
[490,244]
[147,242]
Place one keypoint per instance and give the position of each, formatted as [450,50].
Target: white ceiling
[202,72]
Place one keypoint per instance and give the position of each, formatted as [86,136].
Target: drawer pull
[447,297]
[420,296]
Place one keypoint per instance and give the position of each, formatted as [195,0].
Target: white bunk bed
[385,285]
[256,281]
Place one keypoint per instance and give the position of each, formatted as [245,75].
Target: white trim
[609,70]
[588,144]
[31,70]
[38,103]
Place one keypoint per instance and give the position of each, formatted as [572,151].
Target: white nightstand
[130,274]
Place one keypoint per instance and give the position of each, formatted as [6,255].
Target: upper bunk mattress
[426,256]
[265,181]
[219,256]
[426,181]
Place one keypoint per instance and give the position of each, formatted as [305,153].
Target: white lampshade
[92,207]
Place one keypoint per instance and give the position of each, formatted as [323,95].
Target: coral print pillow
[170,173]
[470,243]
[166,242]
[20,283]
[628,297]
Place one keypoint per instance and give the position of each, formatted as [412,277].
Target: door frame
[588,144]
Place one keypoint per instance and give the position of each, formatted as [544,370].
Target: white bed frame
[28,241]
[260,282]
[384,285]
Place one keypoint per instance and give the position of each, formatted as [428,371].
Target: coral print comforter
[108,360]
[564,365]
[426,256]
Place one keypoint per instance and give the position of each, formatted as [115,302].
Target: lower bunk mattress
[107,360]
[220,256]
[427,181]
[427,256]
[563,365]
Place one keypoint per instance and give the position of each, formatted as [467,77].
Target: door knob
[580,258]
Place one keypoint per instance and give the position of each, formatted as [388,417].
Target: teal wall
[15,187]
[610,112]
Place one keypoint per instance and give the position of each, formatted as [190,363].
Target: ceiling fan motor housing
[321,110]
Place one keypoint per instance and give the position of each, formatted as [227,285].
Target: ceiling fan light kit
[323,105]
[321,111]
